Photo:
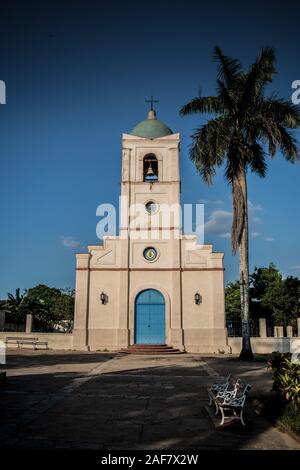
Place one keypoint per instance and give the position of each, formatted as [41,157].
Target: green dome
[151,128]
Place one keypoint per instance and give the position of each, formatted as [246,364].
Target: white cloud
[254,220]
[225,235]
[296,268]
[260,235]
[254,208]
[267,238]
[69,242]
[216,202]
[255,234]
[219,223]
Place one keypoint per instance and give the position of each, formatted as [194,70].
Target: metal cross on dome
[152,100]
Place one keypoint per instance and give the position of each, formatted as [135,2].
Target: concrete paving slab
[71,400]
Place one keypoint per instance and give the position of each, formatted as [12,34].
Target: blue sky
[77,74]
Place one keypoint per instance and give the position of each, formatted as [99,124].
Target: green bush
[285,408]
[286,378]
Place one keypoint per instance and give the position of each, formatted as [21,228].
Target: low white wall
[266,345]
[55,340]
[259,345]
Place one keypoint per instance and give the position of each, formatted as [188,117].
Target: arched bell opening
[150,168]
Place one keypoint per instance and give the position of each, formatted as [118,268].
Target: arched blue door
[149,317]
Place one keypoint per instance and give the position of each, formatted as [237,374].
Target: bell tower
[150,164]
[150,173]
[151,190]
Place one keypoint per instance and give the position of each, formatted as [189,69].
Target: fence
[270,327]
[234,328]
[32,325]
[13,327]
[263,327]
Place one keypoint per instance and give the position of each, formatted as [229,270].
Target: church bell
[150,171]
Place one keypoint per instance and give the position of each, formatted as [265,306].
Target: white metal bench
[232,407]
[229,399]
[218,388]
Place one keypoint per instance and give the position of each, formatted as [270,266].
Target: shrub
[286,384]
[286,377]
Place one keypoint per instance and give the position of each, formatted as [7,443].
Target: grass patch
[278,411]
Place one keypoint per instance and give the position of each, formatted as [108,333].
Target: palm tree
[15,306]
[19,305]
[246,127]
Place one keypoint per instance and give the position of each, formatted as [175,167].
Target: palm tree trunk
[246,352]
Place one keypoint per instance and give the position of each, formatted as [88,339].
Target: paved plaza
[71,400]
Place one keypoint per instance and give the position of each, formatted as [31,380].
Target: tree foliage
[271,296]
[50,307]
[232,301]
[15,307]
[246,126]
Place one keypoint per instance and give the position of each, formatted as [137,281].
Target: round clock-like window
[151,207]
[150,253]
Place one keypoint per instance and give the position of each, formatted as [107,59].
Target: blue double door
[150,323]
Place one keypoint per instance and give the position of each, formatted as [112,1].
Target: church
[151,284]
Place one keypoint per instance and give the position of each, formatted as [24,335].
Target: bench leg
[223,416]
[242,418]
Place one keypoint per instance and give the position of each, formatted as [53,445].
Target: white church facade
[143,286]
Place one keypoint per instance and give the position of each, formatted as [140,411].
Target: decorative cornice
[148,183]
[150,269]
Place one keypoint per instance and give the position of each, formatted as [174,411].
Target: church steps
[151,349]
